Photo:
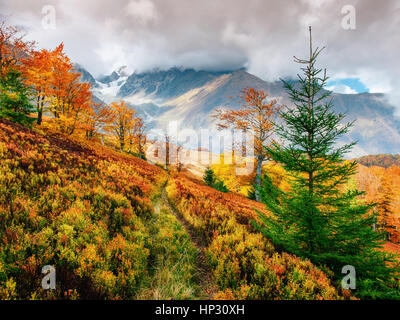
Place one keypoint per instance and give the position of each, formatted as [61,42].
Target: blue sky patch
[353,83]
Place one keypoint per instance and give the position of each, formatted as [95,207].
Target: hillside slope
[380,160]
[245,265]
[94,215]
[75,207]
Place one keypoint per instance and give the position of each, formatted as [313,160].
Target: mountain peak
[85,75]
[121,72]
[190,96]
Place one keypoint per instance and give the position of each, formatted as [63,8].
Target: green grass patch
[173,259]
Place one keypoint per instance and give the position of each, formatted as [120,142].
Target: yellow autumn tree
[122,122]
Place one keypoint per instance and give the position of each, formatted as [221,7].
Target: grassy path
[178,270]
[204,275]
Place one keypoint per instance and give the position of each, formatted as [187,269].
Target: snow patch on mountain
[108,92]
[190,97]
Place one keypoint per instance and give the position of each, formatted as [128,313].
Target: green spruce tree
[318,219]
[251,194]
[220,186]
[14,98]
[209,177]
[212,181]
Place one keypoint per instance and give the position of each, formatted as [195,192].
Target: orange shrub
[244,263]
[77,207]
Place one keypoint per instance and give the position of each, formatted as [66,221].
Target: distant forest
[380,160]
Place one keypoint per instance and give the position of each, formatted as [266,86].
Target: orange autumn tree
[77,100]
[386,198]
[70,97]
[96,118]
[138,137]
[13,48]
[394,173]
[382,187]
[123,121]
[61,76]
[255,117]
[384,201]
[38,73]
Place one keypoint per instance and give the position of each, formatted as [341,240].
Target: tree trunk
[166,152]
[121,138]
[39,117]
[258,177]
[233,146]
[38,121]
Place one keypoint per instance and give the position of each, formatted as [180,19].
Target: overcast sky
[260,35]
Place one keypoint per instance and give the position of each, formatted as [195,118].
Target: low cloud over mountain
[223,35]
[190,97]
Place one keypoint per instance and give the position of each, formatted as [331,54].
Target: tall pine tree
[318,219]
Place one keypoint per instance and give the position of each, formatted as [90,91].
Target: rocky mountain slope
[189,97]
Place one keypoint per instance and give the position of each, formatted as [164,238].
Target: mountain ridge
[190,96]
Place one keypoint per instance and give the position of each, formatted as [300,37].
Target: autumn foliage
[73,196]
[255,117]
[382,187]
[13,48]
[122,123]
[245,265]
[57,92]
[380,160]
[79,207]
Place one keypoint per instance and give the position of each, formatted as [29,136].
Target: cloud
[341,88]
[143,10]
[262,35]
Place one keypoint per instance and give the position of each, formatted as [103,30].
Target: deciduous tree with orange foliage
[61,69]
[382,187]
[38,73]
[13,48]
[53,76]
[385,198]
[123,122]
[78,99]
[96,118]
[138,136]
[255,117]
